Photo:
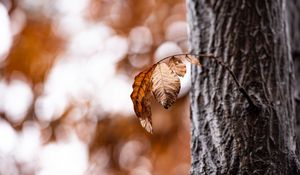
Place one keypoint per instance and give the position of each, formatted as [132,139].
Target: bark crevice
[228,137]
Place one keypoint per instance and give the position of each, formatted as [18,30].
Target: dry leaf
[165,85]
[177,66]
[163,81]
[141,97]
[192,59]
[146,120]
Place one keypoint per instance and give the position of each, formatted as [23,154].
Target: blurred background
[66,70]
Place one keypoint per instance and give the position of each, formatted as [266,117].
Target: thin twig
[212,56]
[241,88]
[216,58]
[186,55]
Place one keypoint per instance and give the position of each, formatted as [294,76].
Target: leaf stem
[186,55]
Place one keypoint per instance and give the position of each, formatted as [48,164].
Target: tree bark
[294,26]
[228,135]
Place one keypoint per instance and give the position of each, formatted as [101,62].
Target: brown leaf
[140,97]
[166,85]
[146,120]
[177,66]
[192,59]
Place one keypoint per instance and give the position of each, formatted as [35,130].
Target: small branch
[215,58]
[241,88]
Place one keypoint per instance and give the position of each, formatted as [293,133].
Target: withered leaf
[192,59]
[162,80]
[146,120]
[140,97]
[177,66]
[165,85]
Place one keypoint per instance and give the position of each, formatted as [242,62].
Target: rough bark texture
[294,26]
[228,135]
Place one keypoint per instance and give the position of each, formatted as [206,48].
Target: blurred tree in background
[66,71]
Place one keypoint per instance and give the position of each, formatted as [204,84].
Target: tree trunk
[294,26]
[229,136]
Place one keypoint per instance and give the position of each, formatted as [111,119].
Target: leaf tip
[147,124]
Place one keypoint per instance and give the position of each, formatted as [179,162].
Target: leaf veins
[192,59]
[141,97]
[166,85]
[162,80]
[177,66]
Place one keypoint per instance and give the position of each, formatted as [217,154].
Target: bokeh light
[66,71]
